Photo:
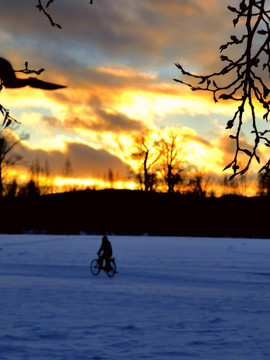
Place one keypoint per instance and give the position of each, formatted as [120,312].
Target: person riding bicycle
[105,252]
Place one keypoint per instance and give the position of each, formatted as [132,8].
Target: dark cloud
[151,34]
[102,121]
[111,78]
[141,32]
[86,161]
[93,117]
[115,122]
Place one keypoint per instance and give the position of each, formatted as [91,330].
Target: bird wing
[40,84]
[10,79]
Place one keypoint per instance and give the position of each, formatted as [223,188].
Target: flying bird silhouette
[10,80]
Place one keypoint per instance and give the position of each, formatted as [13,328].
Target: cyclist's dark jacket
[106,248]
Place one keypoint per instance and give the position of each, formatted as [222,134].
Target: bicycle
[95,267]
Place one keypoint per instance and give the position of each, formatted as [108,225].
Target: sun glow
[152,107]
[27,97]
[62,184]
[204,157]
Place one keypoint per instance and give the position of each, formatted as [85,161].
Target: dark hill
[136,212]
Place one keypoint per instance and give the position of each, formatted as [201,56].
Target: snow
[173,298]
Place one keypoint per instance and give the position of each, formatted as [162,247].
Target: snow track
[174,298]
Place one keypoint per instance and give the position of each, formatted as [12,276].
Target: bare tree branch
[43,8]
[249,84]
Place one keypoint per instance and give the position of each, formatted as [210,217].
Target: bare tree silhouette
[172,159]
[264,184]
[196,185]
[67,172]
[43,8]
[147,154]
[8,158]
[244,80]
[111,178]
[41,177]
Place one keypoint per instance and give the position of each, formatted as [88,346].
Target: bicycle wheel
[94,267]
[112,270]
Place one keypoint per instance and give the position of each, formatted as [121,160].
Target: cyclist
[105,253]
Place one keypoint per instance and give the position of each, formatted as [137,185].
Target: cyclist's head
[104,239]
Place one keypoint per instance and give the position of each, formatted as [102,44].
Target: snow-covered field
[174,298]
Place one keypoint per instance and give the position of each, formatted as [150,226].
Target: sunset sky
[116,58]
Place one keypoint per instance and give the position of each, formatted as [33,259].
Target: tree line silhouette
[158,163]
